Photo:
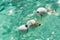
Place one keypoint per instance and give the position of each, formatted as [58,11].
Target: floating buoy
[22,27]
[28,24]
[41,11]
[32,22]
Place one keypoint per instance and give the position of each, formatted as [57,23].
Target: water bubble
[10,12]
[52,32]
[36,39]
[47,38]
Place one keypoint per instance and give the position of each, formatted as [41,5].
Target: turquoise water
[14,13]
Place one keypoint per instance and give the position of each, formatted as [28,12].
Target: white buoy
[41,10]
[28,24]
[22,27]
[32,22]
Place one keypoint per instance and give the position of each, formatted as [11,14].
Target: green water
[24,10]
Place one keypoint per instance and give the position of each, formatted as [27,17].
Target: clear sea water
[14,13]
